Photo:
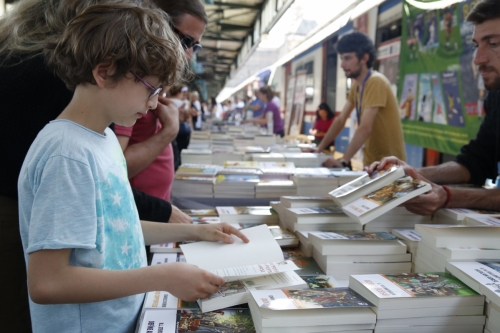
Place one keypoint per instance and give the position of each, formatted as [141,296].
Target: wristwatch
[343,162]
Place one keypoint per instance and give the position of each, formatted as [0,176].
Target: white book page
[226,211]
[215,255]
[410,234]
[273,299]
[245,272]
[155,321]
[160,300]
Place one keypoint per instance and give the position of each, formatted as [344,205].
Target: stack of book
[440,243]
[222,154]
[194,320]
[195,178]
[310,219]
[304,311]
[275,188]
[270,157]
[196,156]
[457,215]
[306,160]
[199,140]
[482,220]
[221,140]
[344,253]
[314,181]
[421,303]
[347,176]
[244,266]
[235,186]
[248,214]
[411,239]
[277,170]
[397,218]
[264,140]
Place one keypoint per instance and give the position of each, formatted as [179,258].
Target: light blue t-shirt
[74,194]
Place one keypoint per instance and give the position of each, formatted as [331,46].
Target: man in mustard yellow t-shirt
[379,126]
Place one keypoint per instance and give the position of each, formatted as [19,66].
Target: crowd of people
[99,109]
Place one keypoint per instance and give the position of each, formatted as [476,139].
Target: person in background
[324,119]
[147,148]
[256,105]
[265,94]
[180,97]
[82,237]
[276,99]
[480,158]
[215,108]
[379,132]
[196,113]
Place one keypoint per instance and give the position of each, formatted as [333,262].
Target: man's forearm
[446,173]
[142,154]
[357,141]
[474,198]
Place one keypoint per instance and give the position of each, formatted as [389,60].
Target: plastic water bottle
[270,123]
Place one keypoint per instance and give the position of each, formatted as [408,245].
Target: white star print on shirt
[125,248]
[116,199]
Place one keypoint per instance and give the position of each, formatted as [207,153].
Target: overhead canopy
[233,32]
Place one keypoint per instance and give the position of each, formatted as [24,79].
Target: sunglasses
[154,91]
[187,41]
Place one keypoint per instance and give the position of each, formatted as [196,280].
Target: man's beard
[494,83]
[353,74]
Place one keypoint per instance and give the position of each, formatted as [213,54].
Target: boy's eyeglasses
[154,91]
[187,41]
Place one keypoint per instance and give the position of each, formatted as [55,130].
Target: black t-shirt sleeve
[151,208]
[480,155]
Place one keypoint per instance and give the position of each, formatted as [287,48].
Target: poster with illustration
[447,99]
[452,100]
[408,103]
[425,98]
[439,112]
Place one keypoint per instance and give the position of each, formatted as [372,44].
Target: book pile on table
[199,140]
[482,220]
[277,170]
[248,214]
[235,186]
[397,218]
[328,218]
[484,278]
[316,310]
[306,160]
[421,303]
[343,253]
[195,178]
[275,188]
[270,157]
[411,239]
[196,156]
[314,181]
[347,176]
[458,215]
[222,154]
[443,243]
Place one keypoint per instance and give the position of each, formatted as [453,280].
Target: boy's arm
[142,154]
[157,233]
[52,280]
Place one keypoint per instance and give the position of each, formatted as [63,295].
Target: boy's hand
[219,232]
[189,283]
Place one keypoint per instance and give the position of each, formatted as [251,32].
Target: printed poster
[440,91]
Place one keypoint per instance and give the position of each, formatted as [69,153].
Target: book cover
[205,219]
[409,285]
[320,281]
[407,234]
[237,179]
[378,202]
[307,265]
[246,210]
[392,172]
[200,212]
[309,299]
[316,210]
[242,164]
[485,273]
[354,235]
[183,321]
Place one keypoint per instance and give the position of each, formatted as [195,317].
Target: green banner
[440,90]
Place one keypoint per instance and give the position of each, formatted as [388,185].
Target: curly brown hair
[130,35]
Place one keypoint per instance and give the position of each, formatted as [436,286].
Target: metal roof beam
[234,27]
[219,37]
[218,49]
[233,5]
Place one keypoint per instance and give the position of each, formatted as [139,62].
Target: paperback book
[366,184]
[380,201]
